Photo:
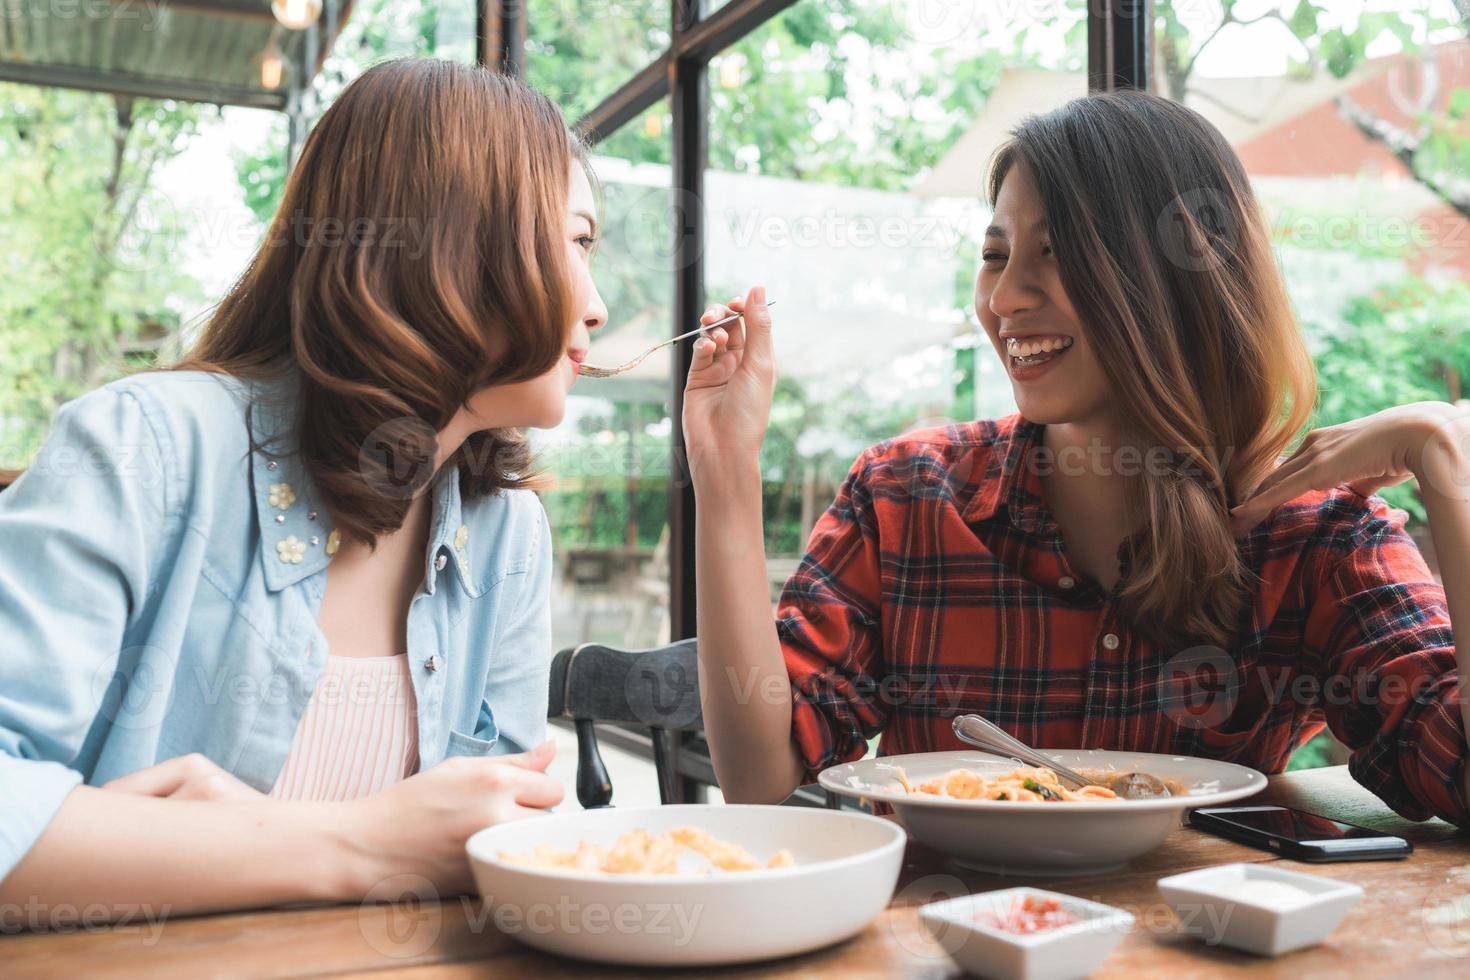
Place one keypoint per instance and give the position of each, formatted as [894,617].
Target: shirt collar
[1011,479]
[297,539]
[296,536]
[449,535]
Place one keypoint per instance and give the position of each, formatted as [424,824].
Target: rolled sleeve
[82,531]
[1383,626]
[828,625]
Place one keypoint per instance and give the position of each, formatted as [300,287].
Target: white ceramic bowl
[1261,926]
[1054,954]
[846,866]
[1072,838]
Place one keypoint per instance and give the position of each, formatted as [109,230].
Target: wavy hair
[1165,254]
[415,259]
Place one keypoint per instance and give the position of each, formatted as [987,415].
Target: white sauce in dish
[1278,896]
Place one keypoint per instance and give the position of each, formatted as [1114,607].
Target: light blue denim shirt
[159,589]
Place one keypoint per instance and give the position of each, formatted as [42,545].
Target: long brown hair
[416,258]
[1164,252]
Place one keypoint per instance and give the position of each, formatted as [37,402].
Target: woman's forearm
[127,852]
[744,688]
[1444,486]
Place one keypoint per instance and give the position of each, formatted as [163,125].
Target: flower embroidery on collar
[461,539]
[334,541]
[291,550]
[282,496]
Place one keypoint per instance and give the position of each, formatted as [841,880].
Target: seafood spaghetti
[1020,785]
[639,852]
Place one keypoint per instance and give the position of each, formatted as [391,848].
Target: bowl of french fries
[686,885]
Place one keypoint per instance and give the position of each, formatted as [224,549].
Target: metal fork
[989,737]
[588,371]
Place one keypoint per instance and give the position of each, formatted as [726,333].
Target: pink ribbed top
[359,732]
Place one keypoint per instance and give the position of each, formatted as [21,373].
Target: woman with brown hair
[277,621]
[1122,564]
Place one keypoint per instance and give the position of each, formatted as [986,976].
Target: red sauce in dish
[1027,915]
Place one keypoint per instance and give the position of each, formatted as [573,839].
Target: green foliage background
[88,240]
[93,285]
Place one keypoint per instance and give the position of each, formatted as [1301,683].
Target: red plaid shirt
[938,584]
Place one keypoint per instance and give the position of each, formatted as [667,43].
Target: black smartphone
[1298,835]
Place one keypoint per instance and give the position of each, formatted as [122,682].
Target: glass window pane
[121,222]
[848,141]
[381,29]
[610,458]
[579,54]
[1351,120]
[377,30]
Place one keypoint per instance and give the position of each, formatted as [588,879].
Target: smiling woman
[331,486]
[1152,320]
[1117,566]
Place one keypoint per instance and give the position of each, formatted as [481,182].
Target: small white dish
[1061,953]
[847,864]
[1243,906]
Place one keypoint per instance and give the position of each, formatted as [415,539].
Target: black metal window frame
[1119,42]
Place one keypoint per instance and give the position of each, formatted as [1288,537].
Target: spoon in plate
[588,371]
[988,737]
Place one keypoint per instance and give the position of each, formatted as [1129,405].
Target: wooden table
[1414,919]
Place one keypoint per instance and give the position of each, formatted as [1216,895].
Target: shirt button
[1111,641]
[440,562]
[432,664]
[1066,581]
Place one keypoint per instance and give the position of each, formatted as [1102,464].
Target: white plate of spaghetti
[686,885]
[997,815]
